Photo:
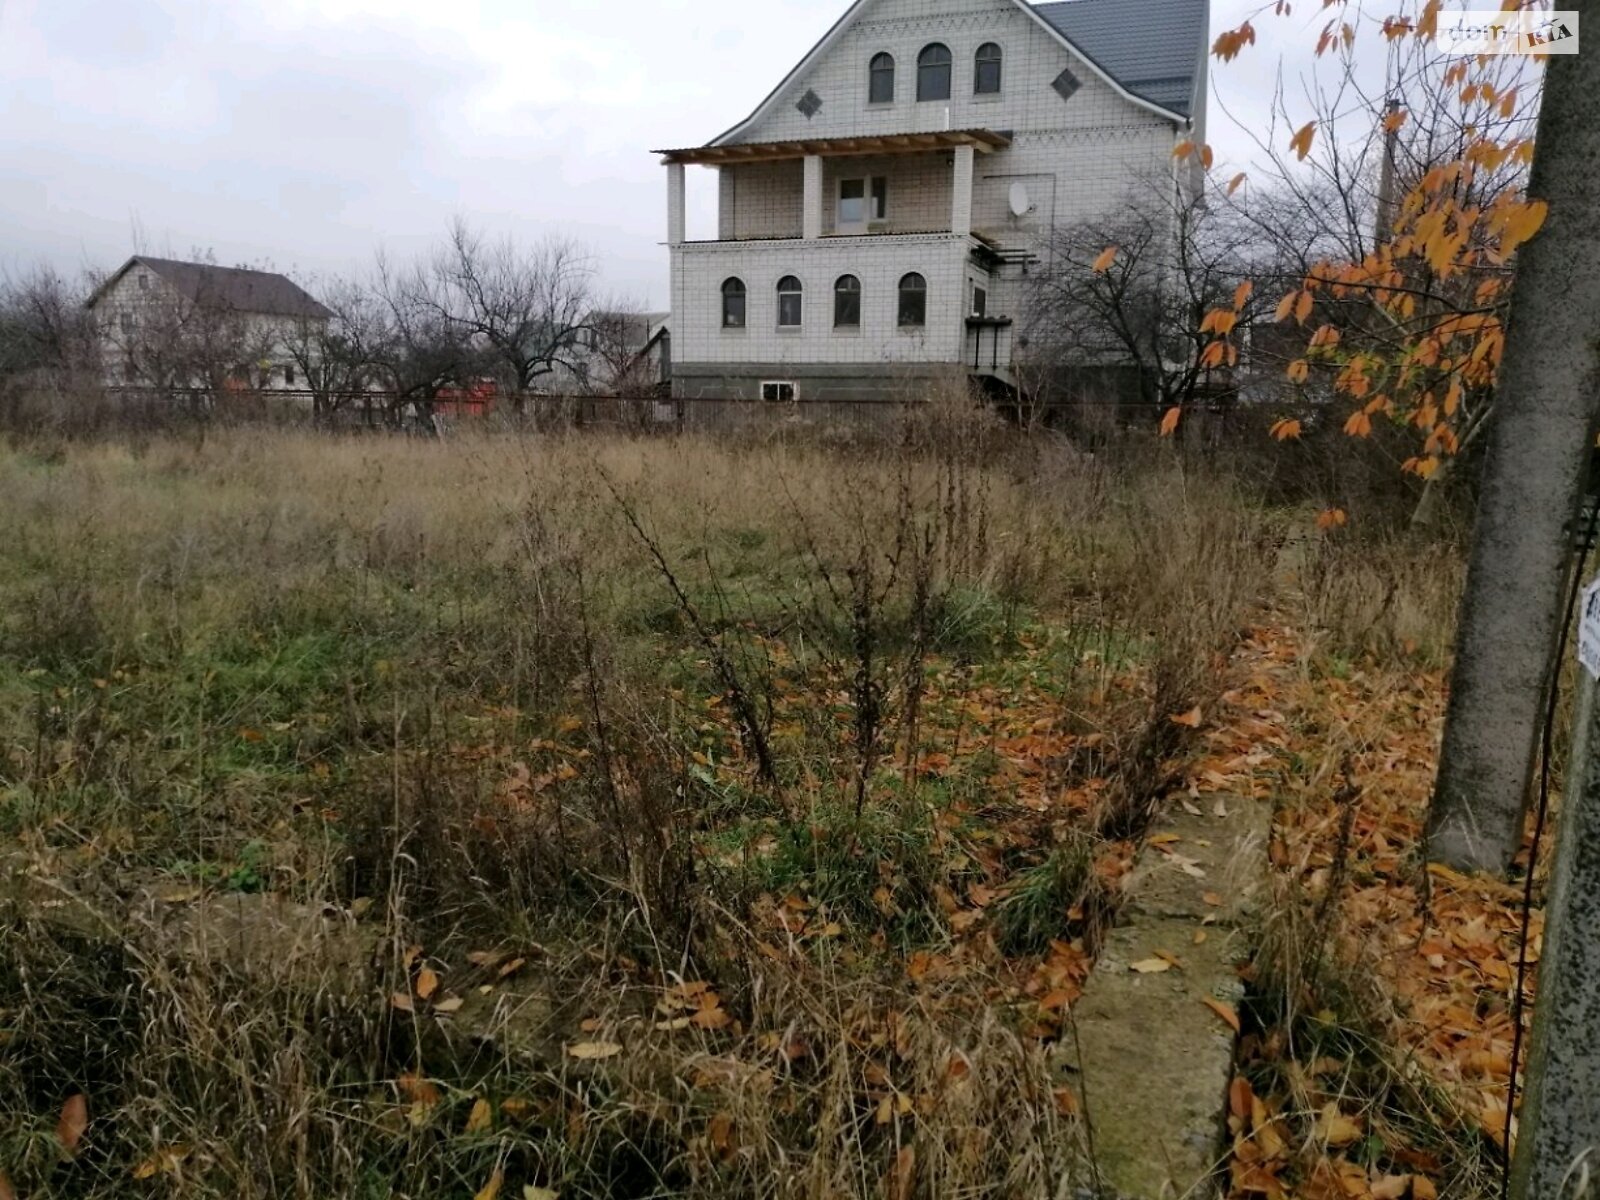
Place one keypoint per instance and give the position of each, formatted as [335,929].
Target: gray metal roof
[262,292]
[1153,48]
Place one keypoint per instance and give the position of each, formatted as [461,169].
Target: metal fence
[392,412]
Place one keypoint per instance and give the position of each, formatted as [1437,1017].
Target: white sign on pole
[1589,631]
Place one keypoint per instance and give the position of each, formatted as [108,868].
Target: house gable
[835,73]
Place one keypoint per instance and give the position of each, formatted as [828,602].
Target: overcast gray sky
[302,133]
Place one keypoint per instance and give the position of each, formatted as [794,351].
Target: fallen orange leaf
[427,983]
[594,1050]
[1190,719]
[74,1122]
[1225,1011]
[419,1090]
[1151,966]
[1336,1129]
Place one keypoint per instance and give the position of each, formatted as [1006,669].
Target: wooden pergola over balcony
[983,141]
[963,146]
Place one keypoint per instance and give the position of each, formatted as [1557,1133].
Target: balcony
[852,186]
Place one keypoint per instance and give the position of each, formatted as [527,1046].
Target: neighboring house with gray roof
[880,209]
[168,324]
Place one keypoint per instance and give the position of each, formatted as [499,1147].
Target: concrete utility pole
[1383,232]
[1544,424]
[1558,1152]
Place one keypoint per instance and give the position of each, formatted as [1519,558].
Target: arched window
[847,303]
[790,301]
[733,297]
[880,80]
[933,73]
[913,300]
[986,73]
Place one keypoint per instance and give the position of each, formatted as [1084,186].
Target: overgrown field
[582,815]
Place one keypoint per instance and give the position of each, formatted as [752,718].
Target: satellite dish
[1021,206]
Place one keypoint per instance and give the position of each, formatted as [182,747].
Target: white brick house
[167,324]
[878,211]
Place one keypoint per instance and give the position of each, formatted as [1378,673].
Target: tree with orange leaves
[1461,363]
[1397,289]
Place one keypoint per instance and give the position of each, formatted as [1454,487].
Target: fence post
[1558,1149]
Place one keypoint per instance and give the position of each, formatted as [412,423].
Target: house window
[288,377]
[880,84]
[861,201]
[126,321]
[913,301]
[733,297]
[852,204]
[986,75]
[847,303]
[791,307]
[980,301]
[933,73]
[144,283]
[779,392]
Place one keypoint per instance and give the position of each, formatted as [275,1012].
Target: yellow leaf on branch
[1301,142]
[1228,44]
[1428,23]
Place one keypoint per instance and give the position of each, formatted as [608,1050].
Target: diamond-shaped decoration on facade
[810,104]
[1066,84]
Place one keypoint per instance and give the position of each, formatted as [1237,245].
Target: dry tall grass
[296,726]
